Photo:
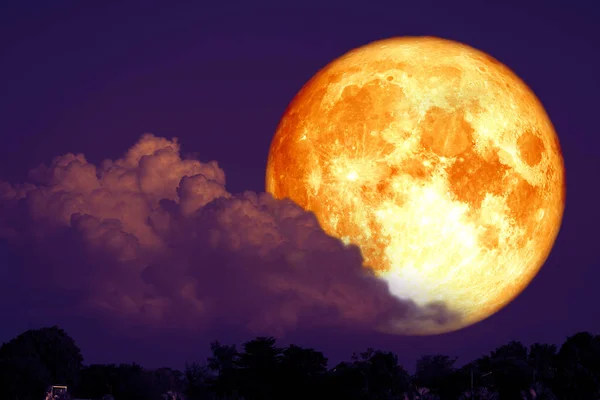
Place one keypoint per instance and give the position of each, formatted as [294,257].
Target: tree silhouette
[578,371]
[301,372]
[420,393]
[258,369]
[346,380]
[542,360]
[197,379]
[225,379]
[264,371]
[36,359]
[372,374]
[436,373]
[538,391]
[479,393]
[171,383]
[510,372]
[129,381]
[387,379]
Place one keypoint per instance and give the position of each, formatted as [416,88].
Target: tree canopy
[261,370]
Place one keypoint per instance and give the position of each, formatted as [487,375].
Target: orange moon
[437,161]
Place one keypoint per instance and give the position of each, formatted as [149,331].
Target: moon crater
[437,161]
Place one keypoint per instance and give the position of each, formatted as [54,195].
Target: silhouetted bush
[261,370]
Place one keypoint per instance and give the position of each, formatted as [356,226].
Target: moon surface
[437,161]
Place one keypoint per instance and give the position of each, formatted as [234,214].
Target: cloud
[155,240]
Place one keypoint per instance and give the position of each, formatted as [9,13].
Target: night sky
[84,82]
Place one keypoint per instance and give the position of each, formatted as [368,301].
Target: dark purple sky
[93,79]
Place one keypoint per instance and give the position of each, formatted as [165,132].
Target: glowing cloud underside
[153,241]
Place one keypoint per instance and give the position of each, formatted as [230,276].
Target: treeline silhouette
[260,370]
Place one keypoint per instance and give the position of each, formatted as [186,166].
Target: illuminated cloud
[156,240]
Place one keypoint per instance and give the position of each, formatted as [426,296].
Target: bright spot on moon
[437,161]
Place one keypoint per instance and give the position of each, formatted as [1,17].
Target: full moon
[437,161]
